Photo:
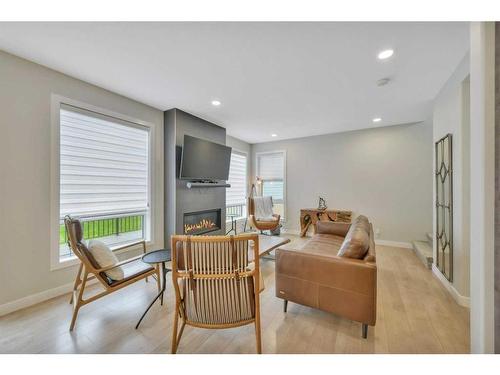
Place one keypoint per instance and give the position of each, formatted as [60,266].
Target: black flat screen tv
[204,161]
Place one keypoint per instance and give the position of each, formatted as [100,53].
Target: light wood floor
[415,315]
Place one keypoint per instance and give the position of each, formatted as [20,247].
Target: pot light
[385,54]
[216,103]
[377,119]
[274,135]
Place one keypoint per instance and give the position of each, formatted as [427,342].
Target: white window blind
[271,166]
[104,164]
[237,193]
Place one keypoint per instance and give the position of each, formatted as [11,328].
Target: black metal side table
[157,257]
[233,223]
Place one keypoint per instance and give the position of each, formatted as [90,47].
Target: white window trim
[257,154]
[56,102]
[247,179]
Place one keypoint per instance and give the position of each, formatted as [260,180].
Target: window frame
[57,101]
[238,151]
[257,173]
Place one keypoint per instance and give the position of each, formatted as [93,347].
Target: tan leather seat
[314,275]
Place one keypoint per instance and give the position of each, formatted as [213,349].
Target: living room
[248,187]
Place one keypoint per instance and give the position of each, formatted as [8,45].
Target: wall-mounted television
[204,160]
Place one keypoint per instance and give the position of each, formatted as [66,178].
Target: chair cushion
[131,270]
[104,257]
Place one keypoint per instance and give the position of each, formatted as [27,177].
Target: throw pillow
[105,258]
[356,243]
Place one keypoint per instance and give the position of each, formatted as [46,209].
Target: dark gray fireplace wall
[178,198]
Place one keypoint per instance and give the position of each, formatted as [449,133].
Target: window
[104,177]
[271,170]
[236,195]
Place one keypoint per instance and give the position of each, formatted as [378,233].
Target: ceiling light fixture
[385,54]
[216,103]
[274,135]
[377,119]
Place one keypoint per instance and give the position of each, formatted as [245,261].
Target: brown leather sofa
[334,271]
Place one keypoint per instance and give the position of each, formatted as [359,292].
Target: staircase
[423,250]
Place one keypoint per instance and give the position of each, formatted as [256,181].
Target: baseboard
[460,299]
[36,298]
[405,245]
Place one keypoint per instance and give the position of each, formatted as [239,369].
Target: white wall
[482,190]
[25,150]
[384,173]
[451,115]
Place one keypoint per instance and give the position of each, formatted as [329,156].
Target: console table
[310,216]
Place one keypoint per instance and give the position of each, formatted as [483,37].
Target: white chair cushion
[105,258]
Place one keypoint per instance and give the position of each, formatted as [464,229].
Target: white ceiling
[292,79]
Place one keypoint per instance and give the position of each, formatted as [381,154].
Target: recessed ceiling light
[385,54]
[377,119]
[216,103]
[274,135]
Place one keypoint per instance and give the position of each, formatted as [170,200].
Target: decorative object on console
[310,216]
[322,204]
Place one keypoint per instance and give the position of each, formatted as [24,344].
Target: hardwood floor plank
[415,314]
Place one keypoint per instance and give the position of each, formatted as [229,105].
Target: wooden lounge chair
[134,269]
[216,284]
[269,224]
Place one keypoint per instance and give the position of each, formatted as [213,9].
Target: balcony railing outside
[105,227]
[236,210]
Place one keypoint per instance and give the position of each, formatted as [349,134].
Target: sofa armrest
[332,227]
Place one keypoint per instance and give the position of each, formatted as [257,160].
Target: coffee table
[269,243]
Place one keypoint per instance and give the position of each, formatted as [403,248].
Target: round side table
[159,257]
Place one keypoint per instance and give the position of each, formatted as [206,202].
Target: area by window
[271,170]
[236,195]
[104,169]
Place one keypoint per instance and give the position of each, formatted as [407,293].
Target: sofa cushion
[357,240]
[105,258]
[323,244]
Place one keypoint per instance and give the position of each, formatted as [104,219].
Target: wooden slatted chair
[216,283]
[134,269]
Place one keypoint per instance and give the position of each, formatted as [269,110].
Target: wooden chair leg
[174,331]
[77,282]
[258,336]
[285,305]
[180,333]
[78,302]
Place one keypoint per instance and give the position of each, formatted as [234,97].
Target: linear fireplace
[201,222]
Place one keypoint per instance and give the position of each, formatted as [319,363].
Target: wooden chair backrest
[74,230]
[215,283]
